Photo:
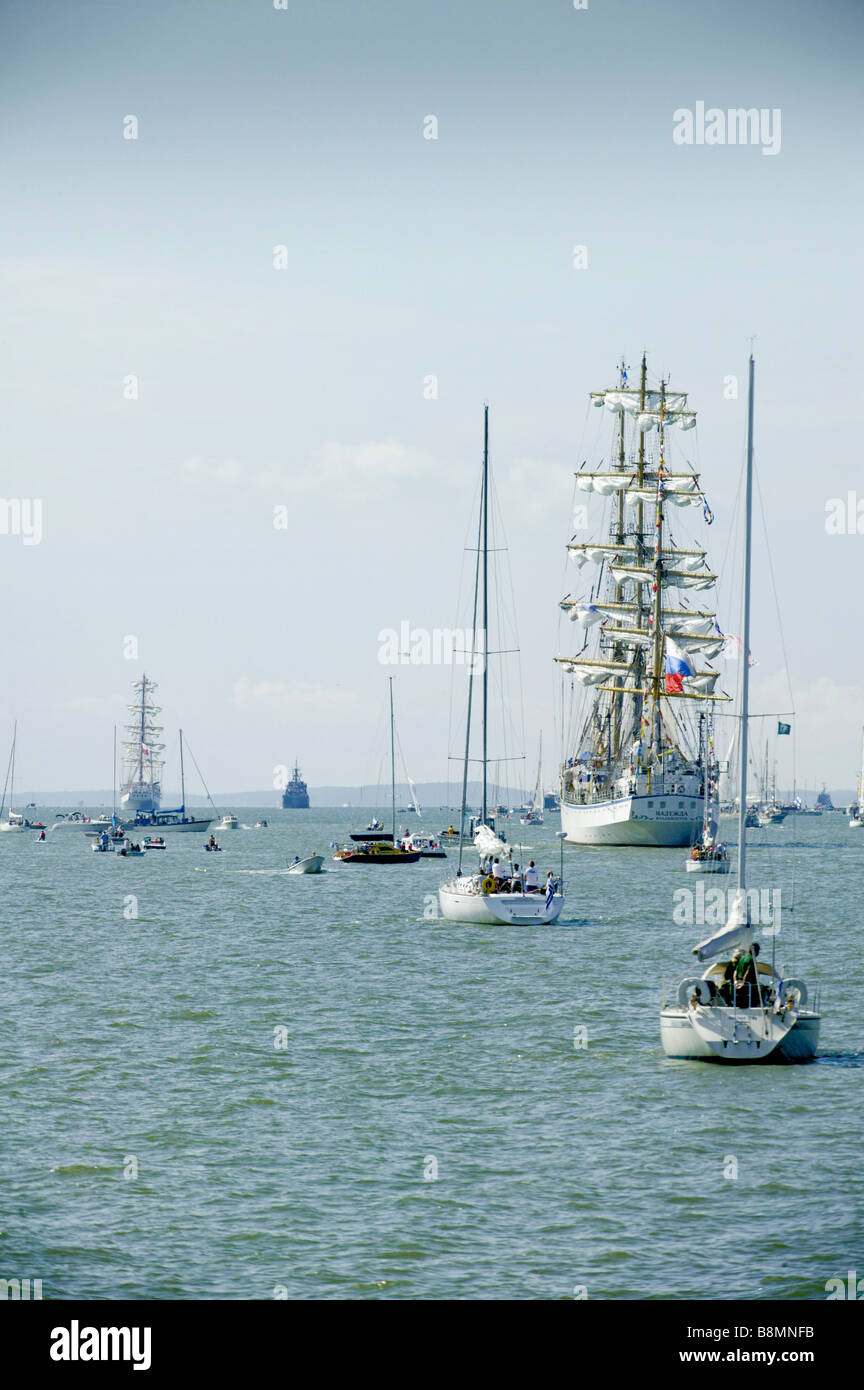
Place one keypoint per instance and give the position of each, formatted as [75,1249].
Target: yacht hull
[681,1040]
[498,909]
[667,820]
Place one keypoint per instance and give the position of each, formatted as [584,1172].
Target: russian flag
[677,667]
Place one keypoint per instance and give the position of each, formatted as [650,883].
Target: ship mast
[615,742]
[745,656]
[485,648]
[658,598]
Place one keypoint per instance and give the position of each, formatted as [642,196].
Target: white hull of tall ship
[658,820]
[462,901]
[143,796]
[737,1035]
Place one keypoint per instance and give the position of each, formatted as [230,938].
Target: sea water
[224,1081]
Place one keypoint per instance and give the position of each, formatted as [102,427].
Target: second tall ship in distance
[638,772]
[141,788]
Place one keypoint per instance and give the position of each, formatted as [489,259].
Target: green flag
[784,728]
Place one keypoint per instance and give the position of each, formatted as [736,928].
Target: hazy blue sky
[407,257]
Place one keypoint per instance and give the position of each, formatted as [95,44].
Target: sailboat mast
[12,779]
[745,638]
[392,764]
[483,808]
[114,779]
[182,778]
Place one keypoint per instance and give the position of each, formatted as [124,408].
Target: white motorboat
[76,820]
[312,864]
[482,897]
[423,845]
[740,1009]
[155,842]
[229,822]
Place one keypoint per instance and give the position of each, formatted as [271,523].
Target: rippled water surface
[151,1042]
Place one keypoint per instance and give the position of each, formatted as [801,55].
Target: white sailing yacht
[535,814]
[636,775]
[15,820]
[856,817]
[740,1009]
[708,855]
[480,897]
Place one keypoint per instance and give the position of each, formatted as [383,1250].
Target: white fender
[689,987]
[795,993]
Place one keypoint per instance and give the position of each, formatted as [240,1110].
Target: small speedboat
[310,865]
[229,822]
[131,851]
[155,842]
[260,825]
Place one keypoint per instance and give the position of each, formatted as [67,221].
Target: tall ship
[295,796]
[642,672]
[141,785]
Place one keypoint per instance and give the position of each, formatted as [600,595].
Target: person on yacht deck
[532,884]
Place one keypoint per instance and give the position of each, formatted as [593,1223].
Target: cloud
[346,473]
[537,490]
[294,695]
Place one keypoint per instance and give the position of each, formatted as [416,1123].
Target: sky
[234,317]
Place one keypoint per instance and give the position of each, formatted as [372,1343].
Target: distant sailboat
[856,818]
[379,847]
[14,819]
[482,897]
[535,815]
